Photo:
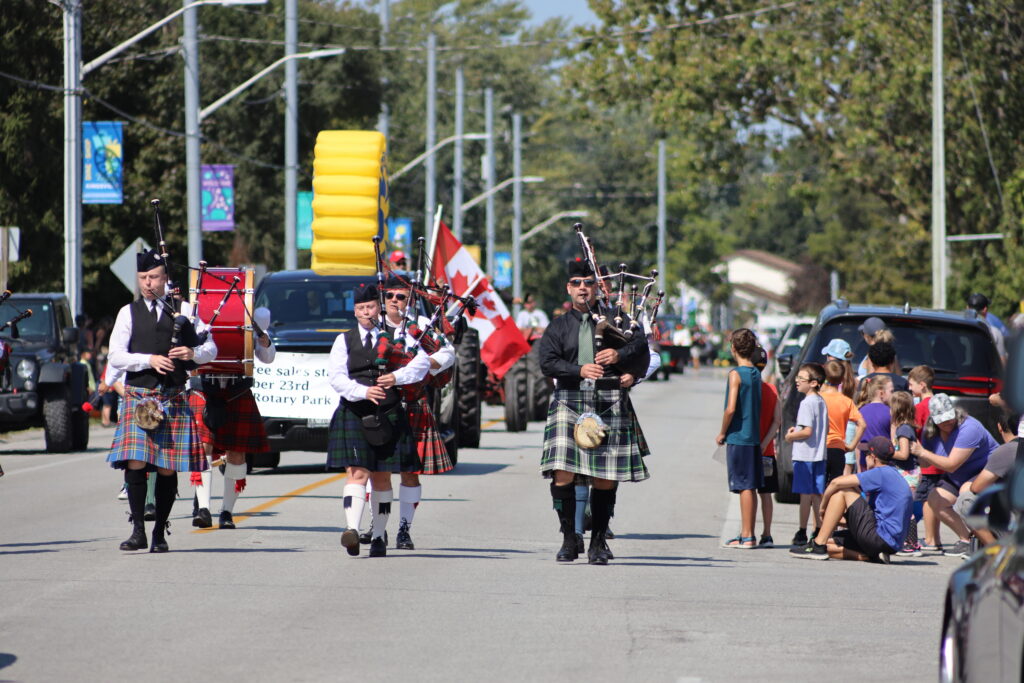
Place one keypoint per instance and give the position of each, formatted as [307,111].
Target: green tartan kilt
[174,445]
[619,458]
[347,447]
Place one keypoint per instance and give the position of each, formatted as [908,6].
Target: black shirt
[559,351]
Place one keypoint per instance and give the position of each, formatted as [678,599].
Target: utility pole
[489,176]
[517,208]
[291,132]
[661,211]
[385,20]
[73,154]
[431,165]
[833,281]
[192,185]
[460,101]
[938,165]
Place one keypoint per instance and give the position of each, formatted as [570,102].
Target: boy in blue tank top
[741,432]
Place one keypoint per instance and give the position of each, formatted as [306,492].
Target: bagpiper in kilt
[370,434]
[430,447]
[141,344]
[229,423]
[591,384]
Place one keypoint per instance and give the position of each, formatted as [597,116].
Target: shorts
[947,484]
[110,399]
[862,532]
[771,481]
[744,467]
[835,463]
[925,484]
[964,502]
[809,477]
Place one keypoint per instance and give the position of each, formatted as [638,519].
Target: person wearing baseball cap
[877,522]
[873,330]
[979,303]
[398,259]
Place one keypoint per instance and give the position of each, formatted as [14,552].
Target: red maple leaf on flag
[489,303]
[459,282]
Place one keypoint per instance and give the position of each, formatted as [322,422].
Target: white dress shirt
[444,356]
[119,356]
[350,389]
[266,354]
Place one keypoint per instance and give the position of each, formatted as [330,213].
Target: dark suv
[958,346]
[42,382]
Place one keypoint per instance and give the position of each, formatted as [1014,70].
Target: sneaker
[928,548]
[123,495]
[883,558]
[766,542]
[811,551]
[910,550]
[800,539]
[959,549]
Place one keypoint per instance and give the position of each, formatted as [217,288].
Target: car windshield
[38,326]
[948,349]
[313,303]
[796,335]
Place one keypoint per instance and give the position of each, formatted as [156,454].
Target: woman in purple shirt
[958,445]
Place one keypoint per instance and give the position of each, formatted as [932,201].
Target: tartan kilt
[429,445]
[243,431]
[619,458]
[174,445]
[347,447]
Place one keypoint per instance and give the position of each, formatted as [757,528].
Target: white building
[760,281]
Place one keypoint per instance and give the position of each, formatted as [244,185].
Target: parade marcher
[590,382]
[229,422]
[141,344]
[531,320]
[429,445]
[370,435]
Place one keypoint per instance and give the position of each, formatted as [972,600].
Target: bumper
[20,406]
[294,435]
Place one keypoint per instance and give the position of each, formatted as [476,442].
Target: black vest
[154,339]
[363,368]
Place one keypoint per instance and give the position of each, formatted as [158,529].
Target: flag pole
[433,232]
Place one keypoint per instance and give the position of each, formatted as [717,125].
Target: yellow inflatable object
[350,201]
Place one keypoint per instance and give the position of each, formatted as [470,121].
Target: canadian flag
[501,342]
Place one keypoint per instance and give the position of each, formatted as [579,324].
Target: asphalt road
[481,597]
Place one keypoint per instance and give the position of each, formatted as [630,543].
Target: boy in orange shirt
[840,411]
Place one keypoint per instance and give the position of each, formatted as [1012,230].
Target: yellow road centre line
[491,423]
[280,499]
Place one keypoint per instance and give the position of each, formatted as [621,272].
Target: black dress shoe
[226,520]
[404,541]
[159,543]
[597,552]
[137,541]
[580,548]
[203,519]
[350,539]
[149,514]
[378,547]
[567,553]
[365,539]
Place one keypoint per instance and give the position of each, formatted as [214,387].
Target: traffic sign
[124,267]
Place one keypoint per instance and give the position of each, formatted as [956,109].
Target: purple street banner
[218,197]
[102,157]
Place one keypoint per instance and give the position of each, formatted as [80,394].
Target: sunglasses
[396,295]
[577,282]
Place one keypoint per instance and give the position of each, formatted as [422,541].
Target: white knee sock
[355,500]
[232,474]
[380,502]
[203,489]
[409,500]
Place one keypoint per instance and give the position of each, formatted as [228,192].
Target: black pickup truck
[42,382]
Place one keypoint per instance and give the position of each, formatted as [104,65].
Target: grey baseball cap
[872,326]
[940,407]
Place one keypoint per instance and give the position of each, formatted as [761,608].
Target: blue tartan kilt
[174,445]
[619,458]
[347,447]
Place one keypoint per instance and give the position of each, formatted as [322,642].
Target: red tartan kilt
[429,445]
[243,431]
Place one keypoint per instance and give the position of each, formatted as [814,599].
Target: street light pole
[489,178]
[192,184]
[938,165]
[661,210]
[517,208]
[430,200]
[73,154]
[460,97]
[291,132]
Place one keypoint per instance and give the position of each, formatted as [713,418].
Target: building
[760,281]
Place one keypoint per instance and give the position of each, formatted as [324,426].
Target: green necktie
[586,354]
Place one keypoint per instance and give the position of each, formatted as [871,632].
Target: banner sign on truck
[295,386]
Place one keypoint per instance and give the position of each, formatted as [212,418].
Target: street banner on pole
[304,221]
[502,269]
[501,342]
[400,234]
[218,197]
[102,176]
[124,266]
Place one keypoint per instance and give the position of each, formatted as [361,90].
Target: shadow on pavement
[28,552]
[6,659]
[663,558]
[67,542]
[471,469]
[236,550]
[319,529]
[484,550]
[660,537]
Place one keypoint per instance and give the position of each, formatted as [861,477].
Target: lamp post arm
[418,160]
[557,217]
[503,184]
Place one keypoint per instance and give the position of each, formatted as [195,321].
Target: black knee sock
[601,502]
[135,485]
[563,499]
[611,504]
[166,490]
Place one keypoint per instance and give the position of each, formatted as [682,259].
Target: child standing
[904,433]
[921,378]
[771,419]
[841,411]
[809,436]
[874,408]
[741,434]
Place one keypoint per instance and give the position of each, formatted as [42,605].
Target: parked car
[790,342]
[983,620]
[958,346]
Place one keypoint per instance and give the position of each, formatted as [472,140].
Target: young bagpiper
[141,344]
[370,435]
[229,422]
[589,384]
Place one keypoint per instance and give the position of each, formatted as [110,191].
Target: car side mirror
[1013,384]
[989,510]
[785,362]
[69,335]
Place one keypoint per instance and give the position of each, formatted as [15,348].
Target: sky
[576,11]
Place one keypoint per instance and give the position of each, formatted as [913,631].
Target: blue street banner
[102,157]
[304,221]
[400,234]
[502,269]
[217,206]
